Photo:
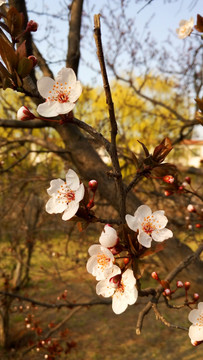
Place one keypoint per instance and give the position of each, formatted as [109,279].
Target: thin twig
[164,321]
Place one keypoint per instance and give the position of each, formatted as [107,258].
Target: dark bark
[73,56]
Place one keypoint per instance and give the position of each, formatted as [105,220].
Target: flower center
[199,320]
[65,194]
[62,98]
[103,261]
[59,93]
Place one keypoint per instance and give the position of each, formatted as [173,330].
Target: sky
[161,16]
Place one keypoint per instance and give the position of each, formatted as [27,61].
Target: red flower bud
[198,226]
[34,60]
[188,179]
[154,275]
[25,114]
[196,296]
[93,184]
[167,193]
[179,284]
[126,260]
[167,292]
[31,26]
[187,285]
[191,208]
[181,188]
[168,179]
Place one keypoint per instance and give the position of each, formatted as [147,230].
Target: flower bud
[126,260]
[187,285]
[167,292]
[179,284]
[154,275]
[188,179]
[34,60]
[168,179]
[24,114]
[196,296]
[167,193]
[191,208]
[31,26]
[198,226]
[181,188]
[93,184]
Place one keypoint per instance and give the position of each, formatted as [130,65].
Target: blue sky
[162,19]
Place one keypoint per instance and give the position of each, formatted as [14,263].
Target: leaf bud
[126,260]
[198,226]
[168,179]
[179,284]
[187,285]
[34,60]
[24,114]
[31,26]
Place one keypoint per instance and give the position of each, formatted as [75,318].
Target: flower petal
[54,186]
[79,193]
[128,278]
[161,235]
[142,211]
[54,207]
[64,108]
[94,249]
[44,85]
[144,239]
[119,303]
[48,109]
[75,92]
[72,179]
[71,210]
[160,218]
[131,295]
[108,237]
[104,288]
[196,333]
[132,222]
[66,75]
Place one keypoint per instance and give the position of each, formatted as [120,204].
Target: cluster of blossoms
[112,280]
[196,329]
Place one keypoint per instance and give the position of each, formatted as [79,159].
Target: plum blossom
[60,94]
[150,225]
[100,261]
[109,237]
[2,2]
[65,195]
[196,329]
[120,286]
[185,28]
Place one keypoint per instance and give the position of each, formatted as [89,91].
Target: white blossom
[185,28]
[120,287]
[2,2]
[65,196]
[109,237]
[60,94]
[196,329]
[149,225]
[100,261]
